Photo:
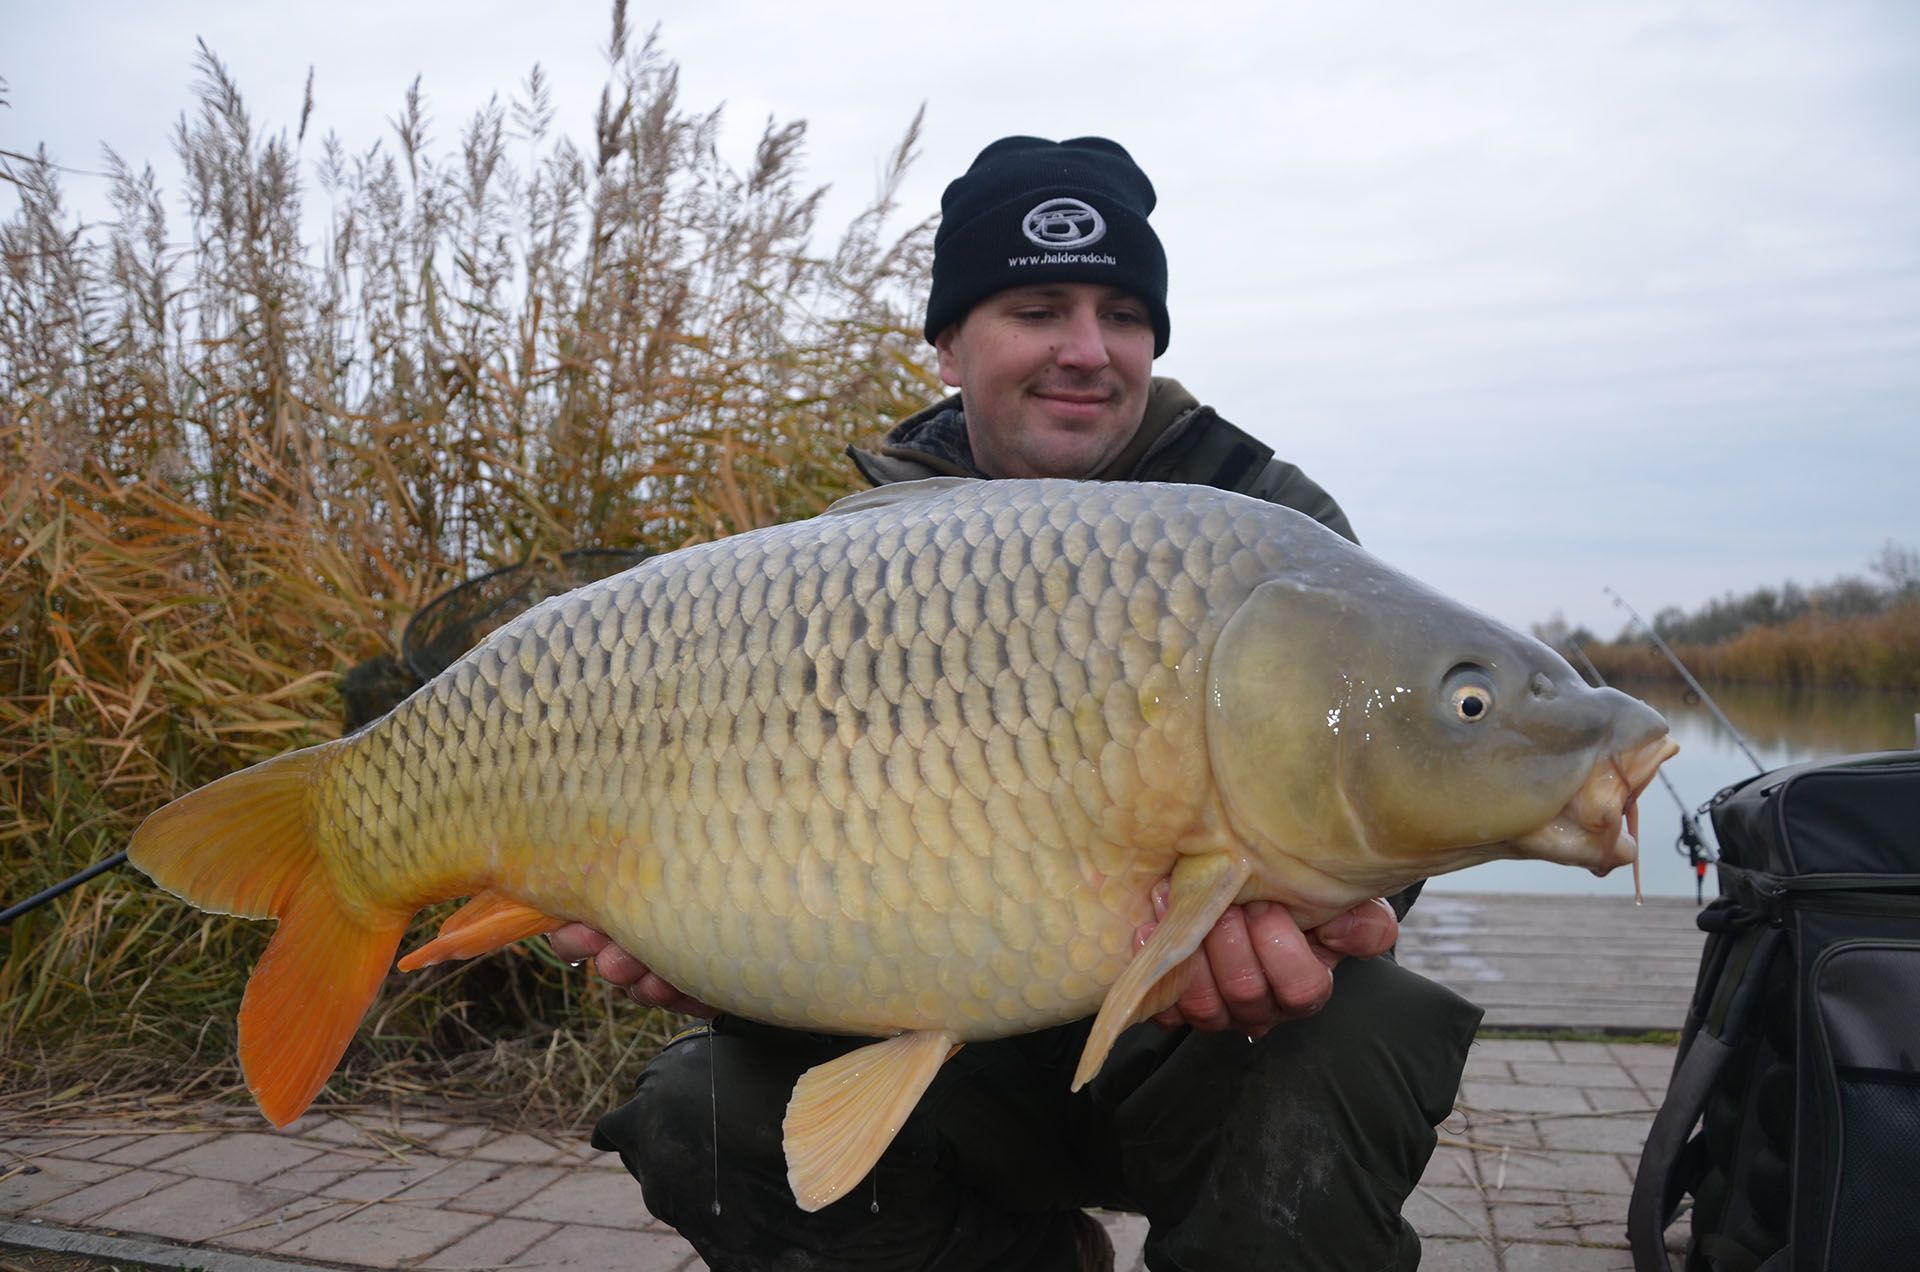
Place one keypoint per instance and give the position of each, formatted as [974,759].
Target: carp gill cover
[910,769]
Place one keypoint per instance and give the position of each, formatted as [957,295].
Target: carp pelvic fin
[1203,888]
[488,922]
[844,1113]
[244,845]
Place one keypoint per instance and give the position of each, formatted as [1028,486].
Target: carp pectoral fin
[488,922]
[307,996]
[1203,888]
[844,1113]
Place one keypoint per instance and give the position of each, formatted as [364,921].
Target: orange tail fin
[244,845]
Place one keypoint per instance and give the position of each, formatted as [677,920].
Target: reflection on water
[1782,726]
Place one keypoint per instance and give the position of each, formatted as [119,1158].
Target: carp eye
[1470,694]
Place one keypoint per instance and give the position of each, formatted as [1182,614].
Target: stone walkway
[1532,1174]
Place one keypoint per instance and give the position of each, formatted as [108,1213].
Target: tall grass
[235,460]
[1873,651]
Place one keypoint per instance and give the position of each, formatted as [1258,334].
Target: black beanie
[1037,211]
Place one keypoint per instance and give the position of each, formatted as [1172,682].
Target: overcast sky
[1550,296]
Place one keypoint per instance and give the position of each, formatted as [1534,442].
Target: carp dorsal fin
[1203,887]
[896,492]
[844,1113]
[490,921]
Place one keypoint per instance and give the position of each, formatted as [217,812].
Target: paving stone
[1487,1067]
[1451,1167]
[28,1145]
[1446,1255]
[591,1249]
[1602,1221]
[511,1186]
[1511,1097]
[494,1243]
[194,1209]
[245,1157]
[1537,1257]
[43,1179]
[1569,1074]
[1499,1132]
[452,1184]
[117,1189]
[1128,1232]
[378,1181]
[1512,1049]
[85,1148]
[1597,1134]
[383,1235]
[1438,1210]
[609,1198]
[1548,1221]
[458,1139]
[1571,1172]
[317,1174]
[154,1150]
[516,1148]
[1584,1052]
[276,1227]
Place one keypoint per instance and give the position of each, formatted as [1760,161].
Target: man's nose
[1084,344]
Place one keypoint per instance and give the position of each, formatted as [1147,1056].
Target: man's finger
[1362,932]
[618,966]
[1298,979]
[576,942]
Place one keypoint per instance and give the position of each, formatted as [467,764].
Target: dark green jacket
[1179,440]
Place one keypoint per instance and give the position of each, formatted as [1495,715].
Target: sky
[1550,296]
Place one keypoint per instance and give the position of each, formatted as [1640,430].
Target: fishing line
[713,1108]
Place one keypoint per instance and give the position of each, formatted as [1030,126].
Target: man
[1047,309]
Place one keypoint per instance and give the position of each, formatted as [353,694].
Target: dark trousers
[1293,1152]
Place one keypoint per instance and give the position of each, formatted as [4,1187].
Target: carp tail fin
[244,845]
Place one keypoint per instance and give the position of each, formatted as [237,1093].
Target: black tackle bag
[1799,1064]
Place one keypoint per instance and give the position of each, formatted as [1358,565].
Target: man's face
[1053,378]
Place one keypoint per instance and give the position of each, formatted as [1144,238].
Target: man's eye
[1033,315]
[1126,317]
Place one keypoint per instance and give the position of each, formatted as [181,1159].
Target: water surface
[1782,726]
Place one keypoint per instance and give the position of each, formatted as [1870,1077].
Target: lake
[1783,726]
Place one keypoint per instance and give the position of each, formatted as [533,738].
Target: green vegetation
[1853,632]
[234,465]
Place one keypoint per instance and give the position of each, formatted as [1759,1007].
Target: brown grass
[1874,651]
[234,462]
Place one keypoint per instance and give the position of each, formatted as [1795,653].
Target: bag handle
[1657,1185]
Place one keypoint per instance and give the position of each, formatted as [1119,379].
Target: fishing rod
[40,898]
[1738,738]
[1689,845]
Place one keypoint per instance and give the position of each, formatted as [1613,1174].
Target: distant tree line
[1860,631]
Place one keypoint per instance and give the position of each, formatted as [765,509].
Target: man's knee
[664,1133]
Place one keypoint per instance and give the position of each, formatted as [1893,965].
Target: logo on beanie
[1063,223]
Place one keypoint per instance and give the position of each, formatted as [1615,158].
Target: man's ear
[949,360]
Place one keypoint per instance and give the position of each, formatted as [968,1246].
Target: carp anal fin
[488,922]
[844,1113]
[1203,887]
[244,845]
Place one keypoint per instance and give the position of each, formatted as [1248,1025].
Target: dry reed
[233,465]
[1871,651]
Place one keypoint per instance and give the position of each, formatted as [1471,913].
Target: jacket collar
[933,442]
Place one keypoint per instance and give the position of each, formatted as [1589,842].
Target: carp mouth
[1600,826]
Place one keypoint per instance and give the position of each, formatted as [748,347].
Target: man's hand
[577,942]
[1260,969]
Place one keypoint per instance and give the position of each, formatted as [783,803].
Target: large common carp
[910,769]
